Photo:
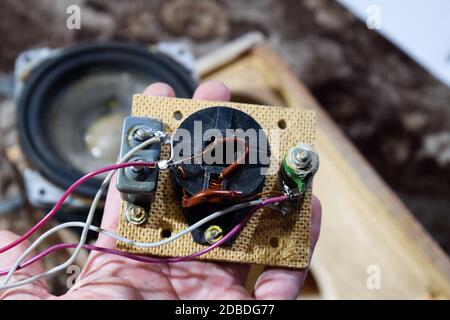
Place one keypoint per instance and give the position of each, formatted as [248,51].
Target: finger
[159,89]
[283,283]
[213,91]
[111,215]
[34,290]
[110,221]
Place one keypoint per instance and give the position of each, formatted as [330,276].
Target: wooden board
[364,223]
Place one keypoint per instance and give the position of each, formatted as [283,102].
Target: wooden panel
[363,221]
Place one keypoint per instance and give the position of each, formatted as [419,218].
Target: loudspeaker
[72,105]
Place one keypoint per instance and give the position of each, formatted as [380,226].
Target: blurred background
[396,112]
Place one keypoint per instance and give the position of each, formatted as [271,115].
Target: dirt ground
[395,112]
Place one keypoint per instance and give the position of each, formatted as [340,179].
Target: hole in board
[282,124]
[166,233]
[274,242]
[177,115]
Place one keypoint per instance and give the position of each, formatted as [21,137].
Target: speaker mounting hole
[282,124]
[274,243]
[166,233]
[177,115]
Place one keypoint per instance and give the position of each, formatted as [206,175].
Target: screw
[137,170]
[301,157]
[135,215]
[138,173]
[143,134]
[213,234]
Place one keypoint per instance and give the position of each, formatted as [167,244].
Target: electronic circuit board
[269,237]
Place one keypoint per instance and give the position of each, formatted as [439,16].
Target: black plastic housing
[248,179]
[137,190]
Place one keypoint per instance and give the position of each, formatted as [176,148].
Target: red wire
[66,194]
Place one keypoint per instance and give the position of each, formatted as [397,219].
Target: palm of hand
[112,277]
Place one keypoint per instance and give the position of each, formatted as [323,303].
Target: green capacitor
[298,168]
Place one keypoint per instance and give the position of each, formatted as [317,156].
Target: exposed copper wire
[228,171]
[265,193]
[215,184]
[211,196]
[182,172]
[233,166]
[214,193]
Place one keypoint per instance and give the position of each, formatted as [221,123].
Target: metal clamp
[137,185]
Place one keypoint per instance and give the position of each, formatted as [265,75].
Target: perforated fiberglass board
[255,242]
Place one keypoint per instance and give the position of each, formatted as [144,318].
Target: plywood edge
[428,251]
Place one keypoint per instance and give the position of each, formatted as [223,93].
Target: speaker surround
[72,106]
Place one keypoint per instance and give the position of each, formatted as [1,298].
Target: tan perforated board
[269,238]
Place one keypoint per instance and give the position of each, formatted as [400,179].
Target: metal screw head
[143,134]
[213,234]
[137,170]
[138,173]
[301,157]
[135,215]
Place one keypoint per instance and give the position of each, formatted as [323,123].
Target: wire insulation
[148,259]
[257,204]
[89,218]
[64,197]
[141,244]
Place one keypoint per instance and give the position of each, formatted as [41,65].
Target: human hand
[107,276]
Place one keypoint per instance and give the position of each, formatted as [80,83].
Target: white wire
[181,233]
[132,242]
[164,164]
[84,233]
[172,151]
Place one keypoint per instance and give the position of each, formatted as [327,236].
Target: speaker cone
[71,110]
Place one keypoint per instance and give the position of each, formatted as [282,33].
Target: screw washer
[213,234]
[135,215]
[142,133]
[303,158]
[137,172]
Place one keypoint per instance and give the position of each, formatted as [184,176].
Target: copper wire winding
[214,193]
